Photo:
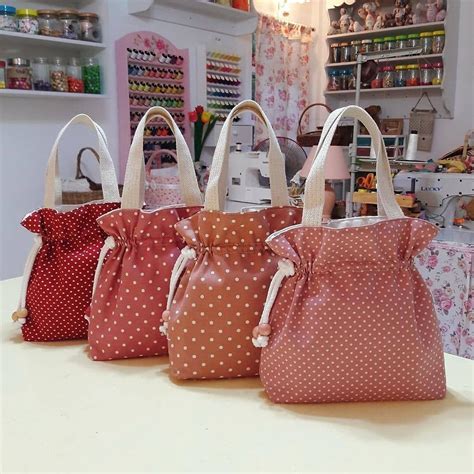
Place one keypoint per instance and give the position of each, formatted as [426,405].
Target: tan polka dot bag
[348,317]
[218,287]
[132,277]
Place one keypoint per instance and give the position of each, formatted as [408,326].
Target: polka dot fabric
[356,321]
[131,292]
[222,292]
[60,284]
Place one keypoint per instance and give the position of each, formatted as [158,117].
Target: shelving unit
[30,94]
[422,57]
[387,91]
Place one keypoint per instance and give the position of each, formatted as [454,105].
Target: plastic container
[377,82]
[7,18]
[89,27]
[49,23]
[335,53]
[438,41]
[3,82]
[91,77]
[18,74]
[355,49]
[74,76]
[69,21]
[413,40]
[367,46]
[388,79]
[413,75]
[345,52]
[27,21]
[334,83]
[426,41]
[390,43]
[378,44]
[402,41]
[57,74]
[400,75]
[41,80]
[438,71]
[426,74]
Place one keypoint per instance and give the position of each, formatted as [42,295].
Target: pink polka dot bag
[59,271]
[218,285]
[348,317]
[133,274]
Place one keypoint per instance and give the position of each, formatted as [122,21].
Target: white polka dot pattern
[131,292]
[60,284]
[356,321]
[221,293]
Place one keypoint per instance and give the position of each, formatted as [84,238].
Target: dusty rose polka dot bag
[226,269]
[59,271]
[131,284]
[353,320]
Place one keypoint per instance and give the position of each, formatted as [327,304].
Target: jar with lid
[437,74]
[334,83]
[91,76]
[57,72]
[69,21]
[413,40]
[355,49]
[402,41]
[18,73]
[74,76]
[377,81]
[388,79]
[3,83]
[413,75]
[7,18]
[345,52]
[345,76]
[438,41]
[27,21]
[390,43]
[400,75]
[48,23]
[335,53]
[378,44]
[367,46]
[89,27]
[426,40]
[426,72]
[41,81]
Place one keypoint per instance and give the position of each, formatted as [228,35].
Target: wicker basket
[342,137]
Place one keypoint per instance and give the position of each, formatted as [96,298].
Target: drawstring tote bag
[226,269]
[59,271]
[353,320]
[131,285]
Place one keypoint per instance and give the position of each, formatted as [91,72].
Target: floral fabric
[448,270]
[282,74]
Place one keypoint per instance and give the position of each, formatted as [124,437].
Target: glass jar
[7,18]
[18,74]
[91,76]
[57,73]
[377,81]
[48,23]
[390,43]
[74,76]
[438,41]
[334,83]
[367,46]
[335,53]
[388,79]
[437,74]
[69,21]
[355,49]
[426,72]
[27,21]
[413,75]
[3,83]
[402,41]
[345,76]
[400,75]
[413,40]
[41,81]
[89,27]
[378,44]
[345,52]
[426,41]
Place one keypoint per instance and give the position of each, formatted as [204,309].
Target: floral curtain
[282,73]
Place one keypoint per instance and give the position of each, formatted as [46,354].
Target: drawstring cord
[187,253]
[261,332]
[21,313]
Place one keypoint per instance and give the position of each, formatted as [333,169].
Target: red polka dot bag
[218,285]
[59,271]
[131,284]
[348,317]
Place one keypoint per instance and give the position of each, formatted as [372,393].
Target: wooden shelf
[371,198]
[30,94]
[386,90]
[405,59]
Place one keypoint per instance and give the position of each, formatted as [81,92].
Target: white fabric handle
[134,184]
[314,188]
[217,184]
[53,188]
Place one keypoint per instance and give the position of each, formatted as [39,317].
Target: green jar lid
[400,67]
[438,33]
[414,36]
[412,66]
[401,37]
[389,38]
[426,34]
[378,40]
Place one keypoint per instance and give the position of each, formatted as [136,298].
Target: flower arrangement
[204,122]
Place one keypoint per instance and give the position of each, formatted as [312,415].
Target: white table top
[64,413]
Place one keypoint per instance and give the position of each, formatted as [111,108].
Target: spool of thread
[412,146]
